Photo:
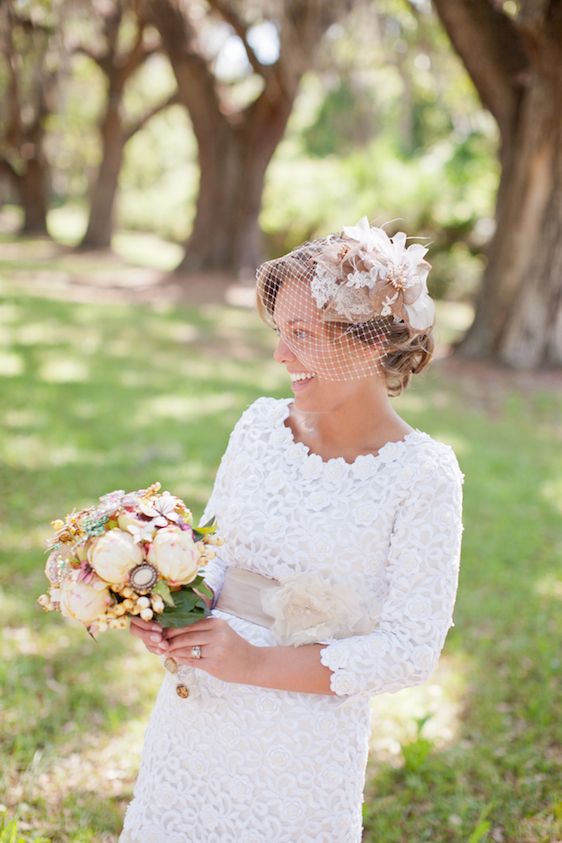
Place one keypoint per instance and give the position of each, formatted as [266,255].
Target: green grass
[100,396]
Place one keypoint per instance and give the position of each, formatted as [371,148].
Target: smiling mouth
[301,376]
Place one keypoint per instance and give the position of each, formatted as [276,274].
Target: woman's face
[307,347]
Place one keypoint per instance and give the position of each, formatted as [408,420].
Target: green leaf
[179,619]
[189,608]
[204,588]
[163,589]
[205,529]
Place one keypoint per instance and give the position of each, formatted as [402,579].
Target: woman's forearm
[290,669]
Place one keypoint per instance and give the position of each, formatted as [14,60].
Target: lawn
[100,394]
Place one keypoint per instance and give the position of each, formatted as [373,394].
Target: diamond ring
[196,652]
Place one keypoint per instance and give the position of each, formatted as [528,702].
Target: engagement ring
[196,652]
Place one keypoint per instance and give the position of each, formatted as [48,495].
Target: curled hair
[408,353]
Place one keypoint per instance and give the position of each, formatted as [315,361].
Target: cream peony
[307,608]
[113,554]
[175,554]
[84,602]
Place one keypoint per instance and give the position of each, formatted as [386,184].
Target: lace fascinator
[334,299]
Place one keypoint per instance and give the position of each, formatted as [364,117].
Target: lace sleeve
[215,568]
[422,568]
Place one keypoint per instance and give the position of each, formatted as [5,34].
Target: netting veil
[334,300]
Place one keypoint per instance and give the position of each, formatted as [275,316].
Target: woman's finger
[151,639]
[152,625]
[206,623]
[188,641]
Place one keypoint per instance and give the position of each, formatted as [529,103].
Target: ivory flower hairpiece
[363,273]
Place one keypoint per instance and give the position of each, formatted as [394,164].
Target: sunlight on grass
[184,407]
[148,249]
[551,492]
[31,451]
[42,333]
[59,369]
[10,313]
[394,715]
[550,585]
[11,365]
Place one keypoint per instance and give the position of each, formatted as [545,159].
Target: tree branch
[493,52]
[80,49]
[303,23]
[197,89]
[139,52]
[241,29]
[141,122]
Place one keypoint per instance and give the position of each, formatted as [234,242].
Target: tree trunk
[518,317]
[226,235]
[236,146]
[102,206]
[32,187]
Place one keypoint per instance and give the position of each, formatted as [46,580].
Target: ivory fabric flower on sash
[307,608]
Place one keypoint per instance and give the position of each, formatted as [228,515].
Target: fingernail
[155,637]
[163,645]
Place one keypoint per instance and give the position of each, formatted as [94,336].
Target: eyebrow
[294,322]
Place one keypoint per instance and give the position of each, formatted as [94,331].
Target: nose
[282,352]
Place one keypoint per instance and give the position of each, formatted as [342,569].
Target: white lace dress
[237,763]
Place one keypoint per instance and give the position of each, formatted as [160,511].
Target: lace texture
[241,763]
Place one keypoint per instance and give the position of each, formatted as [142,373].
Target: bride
[338,575]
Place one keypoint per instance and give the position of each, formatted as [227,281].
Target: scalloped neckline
[379,456]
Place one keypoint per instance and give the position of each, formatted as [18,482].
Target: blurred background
[151,155]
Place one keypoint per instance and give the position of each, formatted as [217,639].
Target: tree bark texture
[236,146]
[517,71]
[29,51]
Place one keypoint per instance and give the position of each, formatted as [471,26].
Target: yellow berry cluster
[136,604]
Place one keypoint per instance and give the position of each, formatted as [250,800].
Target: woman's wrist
[257,664]
[290,669]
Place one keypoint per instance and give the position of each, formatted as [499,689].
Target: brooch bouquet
[134,553]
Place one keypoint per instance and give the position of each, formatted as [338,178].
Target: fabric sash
[240,595]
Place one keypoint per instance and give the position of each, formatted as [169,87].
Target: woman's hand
[151,634]
[224,654]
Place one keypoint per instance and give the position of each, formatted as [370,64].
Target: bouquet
[134,553]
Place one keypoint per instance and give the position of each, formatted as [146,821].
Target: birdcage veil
[333,300]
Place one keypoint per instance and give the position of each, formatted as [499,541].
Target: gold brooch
[182,691]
